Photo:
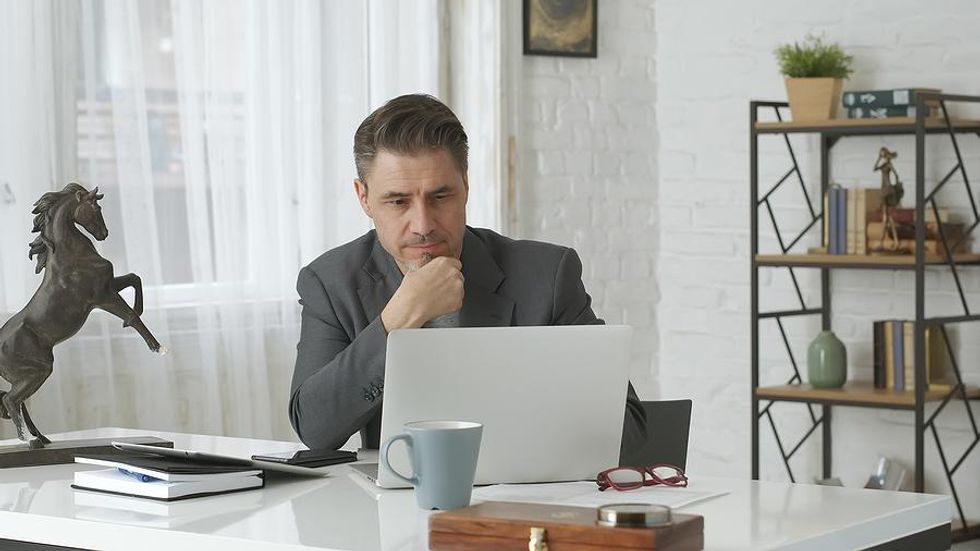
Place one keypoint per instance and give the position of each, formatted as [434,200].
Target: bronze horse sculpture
[76,281]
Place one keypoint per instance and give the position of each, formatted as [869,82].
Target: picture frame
[565,28]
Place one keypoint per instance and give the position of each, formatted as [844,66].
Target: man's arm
[337,382]
[573,306]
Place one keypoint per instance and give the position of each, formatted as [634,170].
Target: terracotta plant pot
[814,99]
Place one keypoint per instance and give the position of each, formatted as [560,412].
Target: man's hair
[409,124]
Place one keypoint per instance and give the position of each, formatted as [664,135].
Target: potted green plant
[814,73]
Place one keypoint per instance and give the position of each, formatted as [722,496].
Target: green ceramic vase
[826,361]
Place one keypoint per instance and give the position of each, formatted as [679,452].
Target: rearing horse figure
[76,281]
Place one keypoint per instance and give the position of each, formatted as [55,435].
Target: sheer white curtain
[220,133]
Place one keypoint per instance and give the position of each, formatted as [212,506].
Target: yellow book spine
[861,222]
[826,221]
[936,360]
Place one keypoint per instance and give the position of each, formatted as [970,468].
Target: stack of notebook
[163,478]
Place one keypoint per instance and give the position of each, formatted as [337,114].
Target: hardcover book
[883,98]
[888,112]
[894,360]
[952,230]
[826,222]
[936,374]
[162,468]
[841,221]
[837,220]
[907,215]
[908,351]
[118,481]
[889,347]
[879,354]
[163,478]
[898,355]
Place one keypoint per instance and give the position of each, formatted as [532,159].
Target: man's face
[418,205]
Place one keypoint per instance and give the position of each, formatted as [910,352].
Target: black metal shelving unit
[858,394]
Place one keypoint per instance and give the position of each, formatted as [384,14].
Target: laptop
[551,399]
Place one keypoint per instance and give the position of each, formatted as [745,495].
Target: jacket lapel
[482,306]
[380,279]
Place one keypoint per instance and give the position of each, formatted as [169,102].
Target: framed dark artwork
[560,27]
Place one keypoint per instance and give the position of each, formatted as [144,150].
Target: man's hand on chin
[428,291]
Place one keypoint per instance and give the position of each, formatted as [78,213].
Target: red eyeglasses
[631,478]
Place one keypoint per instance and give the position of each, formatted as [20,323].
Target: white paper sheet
[586,494]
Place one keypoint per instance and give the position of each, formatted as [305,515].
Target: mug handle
[384,457]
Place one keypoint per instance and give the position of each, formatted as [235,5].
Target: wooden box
[503,526]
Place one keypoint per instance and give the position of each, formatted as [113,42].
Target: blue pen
[139,476]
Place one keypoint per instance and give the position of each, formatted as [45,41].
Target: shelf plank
[854,393]
[859,260]
[891,125]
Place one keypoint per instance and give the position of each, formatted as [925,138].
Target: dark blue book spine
[898,352]
[841,221]
[831,218]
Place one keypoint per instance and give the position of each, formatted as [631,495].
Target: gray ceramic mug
[443,456]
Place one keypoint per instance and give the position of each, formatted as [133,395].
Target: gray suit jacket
[339,376]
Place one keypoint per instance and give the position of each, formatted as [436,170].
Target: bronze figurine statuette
[891,197]
[76,281]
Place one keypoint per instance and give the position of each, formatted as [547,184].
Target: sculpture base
[876,251]
[64,451]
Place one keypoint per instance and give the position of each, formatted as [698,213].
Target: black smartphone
[309,458]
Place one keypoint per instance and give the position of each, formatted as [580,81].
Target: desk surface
[345,512]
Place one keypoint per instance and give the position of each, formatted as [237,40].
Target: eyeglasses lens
[626,478]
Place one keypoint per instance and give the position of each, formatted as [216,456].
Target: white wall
[640,160]
[587,169]
[712,58]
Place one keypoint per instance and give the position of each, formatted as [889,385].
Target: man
[420,266]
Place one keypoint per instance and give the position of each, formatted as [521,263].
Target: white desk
[345,512]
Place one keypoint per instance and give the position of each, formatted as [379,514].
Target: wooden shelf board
[843,126]
[859,260]
[853,393]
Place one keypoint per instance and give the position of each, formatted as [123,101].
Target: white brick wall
[587,169]
[712,58]
[639,159]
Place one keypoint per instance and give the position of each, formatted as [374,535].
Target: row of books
[847,212]
[879,104]
[853,225]
[894,356]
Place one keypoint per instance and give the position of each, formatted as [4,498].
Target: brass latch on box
[538,541]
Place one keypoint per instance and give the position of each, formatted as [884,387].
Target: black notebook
[154,477]
[166,468]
